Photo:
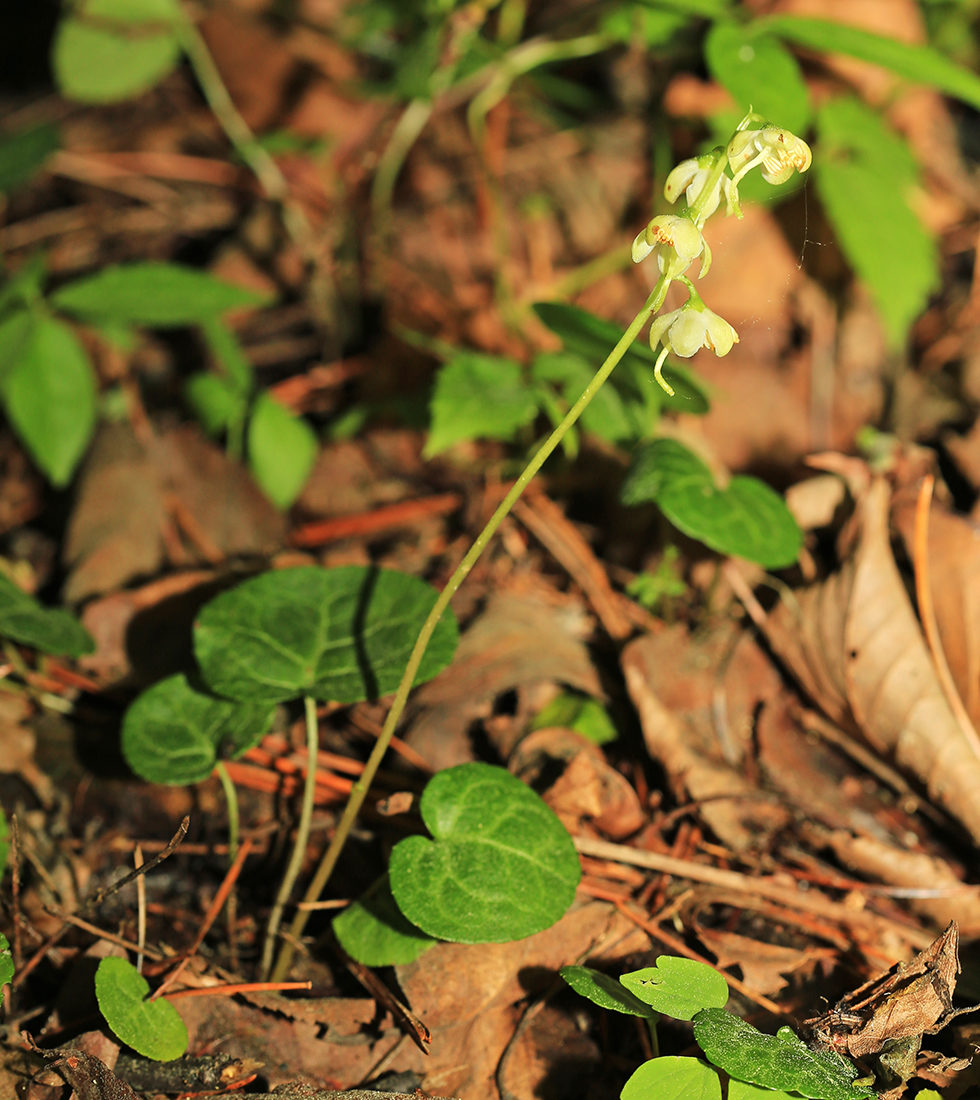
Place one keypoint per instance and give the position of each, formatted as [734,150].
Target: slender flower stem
[299,845]
[360,789]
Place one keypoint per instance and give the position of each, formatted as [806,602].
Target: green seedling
[340,635]
[573,711]
[755,1065]
[499,866]
[152,1028]
[48,387]
[6,961]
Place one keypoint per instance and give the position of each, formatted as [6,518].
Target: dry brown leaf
[468,995]
[856,646]
[763,964]
[696,701]
[954,577]
[116,529]
[887,862]
[517,640]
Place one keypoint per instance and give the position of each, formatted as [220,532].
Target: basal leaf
[159,295]
[6,963]
[175,735]
[281,450]
[758,70]
[342,634]
[744,1090]
[604,991]
[48,629]
[152,1028]
[500,866]
[478,397]
[747,519]
[918,63]
[593,339]
[49,393]
[864,175]
[677,987]
[374,931]
[781,1061]
[673,1079]
[23,153]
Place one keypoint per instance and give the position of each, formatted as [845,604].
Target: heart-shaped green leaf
[500,867]
[374,930]
[153,1028]
[604,991]
[677,987]
[173,734]
[50,630]
[342,634]
[780,1061]
[673,1079]
[747,519]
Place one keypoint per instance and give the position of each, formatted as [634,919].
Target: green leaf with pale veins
[781,1061]
[49,629]
[175,735]
[500,866]
[342,634]
[374,931]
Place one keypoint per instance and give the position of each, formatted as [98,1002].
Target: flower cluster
[677,241]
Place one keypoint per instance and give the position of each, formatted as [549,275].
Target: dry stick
[45,947]
[927,612]
[808,901]
[231,877]
[359,792]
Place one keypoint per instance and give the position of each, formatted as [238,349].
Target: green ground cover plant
[752,1063]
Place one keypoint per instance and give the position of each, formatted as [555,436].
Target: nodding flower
[676,241]
[685,331]
[692,177]
[779,152]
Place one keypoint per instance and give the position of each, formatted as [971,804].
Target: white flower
[687,330]
[676,241]
[691,176]
[778,151]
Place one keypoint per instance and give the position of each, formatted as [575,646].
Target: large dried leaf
[860,631]
[695,700]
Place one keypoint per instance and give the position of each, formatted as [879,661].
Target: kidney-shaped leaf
[159,295]
[677,987]
[780,1061]
[374,930]
[673,1079]
[173,734]
[747,518]
[50,630]
[500,867]
[153,1028]
[604,991]
[342,634]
